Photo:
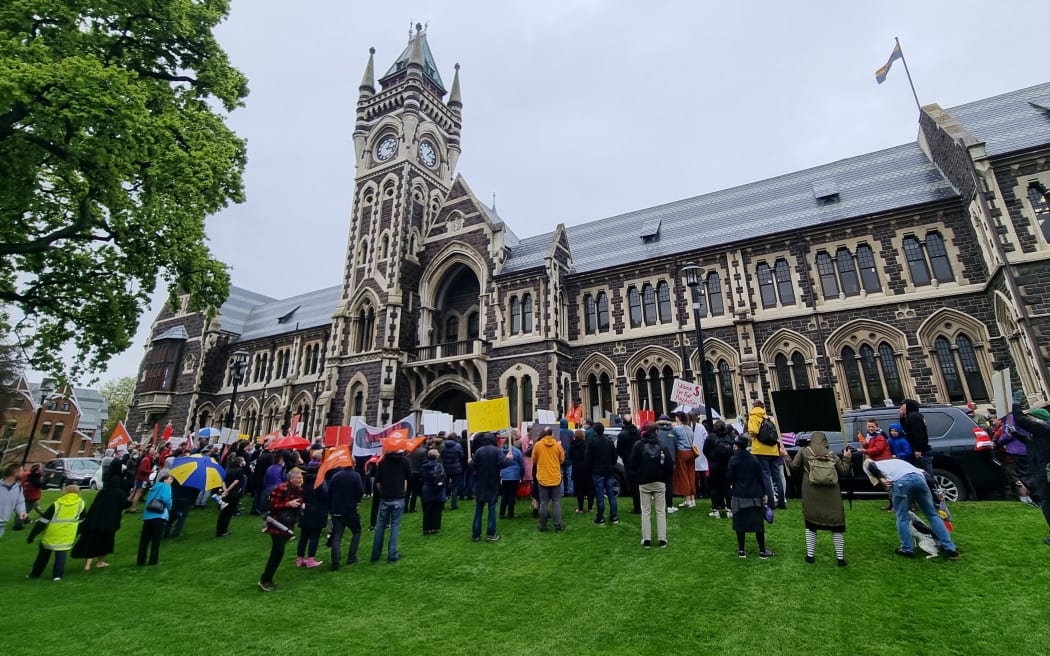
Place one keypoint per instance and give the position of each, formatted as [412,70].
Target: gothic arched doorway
[451,401]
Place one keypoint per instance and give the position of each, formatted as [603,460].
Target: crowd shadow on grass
[592,589]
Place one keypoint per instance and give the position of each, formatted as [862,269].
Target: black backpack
[767,433]
[723,448]
[653,465]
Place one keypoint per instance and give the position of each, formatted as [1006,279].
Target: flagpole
[908,72]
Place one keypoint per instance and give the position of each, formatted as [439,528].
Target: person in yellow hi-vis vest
[59,525]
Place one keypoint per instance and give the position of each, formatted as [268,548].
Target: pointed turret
[415,50]
[455,100]
[368,80]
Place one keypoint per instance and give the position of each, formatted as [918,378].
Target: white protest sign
[431,422]
[685,393]
[546,417]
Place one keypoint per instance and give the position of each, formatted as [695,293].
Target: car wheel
[953,486]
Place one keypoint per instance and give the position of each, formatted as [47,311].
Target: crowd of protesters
[726,462]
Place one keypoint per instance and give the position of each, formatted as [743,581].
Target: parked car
[961,470]
[60,471]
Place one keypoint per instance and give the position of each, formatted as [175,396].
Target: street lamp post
[237,367]
[45,393]
[693,273]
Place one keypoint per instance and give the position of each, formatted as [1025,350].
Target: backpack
[767,433]
[653,461]
[822,472]
[434,475]
[723,450]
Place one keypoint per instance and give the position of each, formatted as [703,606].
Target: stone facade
[441,304]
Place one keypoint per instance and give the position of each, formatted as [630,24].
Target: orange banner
[336,458]
[119,437]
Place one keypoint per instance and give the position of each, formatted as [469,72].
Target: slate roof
[274,317]
[238,306]
[178,332]
[875,182]
[430,69]
[1010,122]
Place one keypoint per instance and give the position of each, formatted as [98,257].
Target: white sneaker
[715,514]
[672,510]
[684,504]
[729,513]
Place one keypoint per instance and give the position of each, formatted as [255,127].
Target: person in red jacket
[142,473]
[875,445]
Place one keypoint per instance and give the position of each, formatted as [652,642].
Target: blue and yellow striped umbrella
[197,471]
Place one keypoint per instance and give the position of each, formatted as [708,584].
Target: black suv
[960,469]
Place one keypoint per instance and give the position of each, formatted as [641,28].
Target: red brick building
[69,425]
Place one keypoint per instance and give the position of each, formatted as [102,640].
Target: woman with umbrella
[102,521]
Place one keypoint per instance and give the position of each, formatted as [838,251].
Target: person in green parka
[822,503]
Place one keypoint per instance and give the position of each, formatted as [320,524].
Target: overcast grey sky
[576,110]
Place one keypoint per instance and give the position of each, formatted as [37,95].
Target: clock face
[386,148]
[428,154]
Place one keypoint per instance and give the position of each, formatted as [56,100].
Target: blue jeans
[926,463]
[390,511]
[603,485]
[455,489]
[771,477]
[479,507]
[912,488]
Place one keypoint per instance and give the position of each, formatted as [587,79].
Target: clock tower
[406,146]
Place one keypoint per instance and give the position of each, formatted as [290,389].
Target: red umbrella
[294,442]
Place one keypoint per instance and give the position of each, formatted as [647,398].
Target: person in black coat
[582,483]
[751,491]
[102,521]
[485,465]
[718,447]
[345,491]
[1037,422]
[259,500]
[625,442]
[453,459]
[914,424]
[233,487]
[314,518]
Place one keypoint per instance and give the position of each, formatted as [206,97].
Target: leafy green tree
[118,394]
[114,149]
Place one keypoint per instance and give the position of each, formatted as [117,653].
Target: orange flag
[337,457]
[398,440]
[119,437]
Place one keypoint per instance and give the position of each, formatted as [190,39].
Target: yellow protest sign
[491,415]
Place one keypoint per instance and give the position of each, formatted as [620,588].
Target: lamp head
[692,274]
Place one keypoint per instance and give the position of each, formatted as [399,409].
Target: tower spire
[455,100]
[368,80]
[415,48]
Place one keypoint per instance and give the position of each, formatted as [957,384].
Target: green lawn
[588,590]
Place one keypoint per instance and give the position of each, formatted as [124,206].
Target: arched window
[727,403]
[634,303]
[847,269]
[714,294]
[780,365]
[798,368]
[942,267]
[452,329]
[526,313]
[603,312]
[56,435]
[950,373]
[605,395]
[663,295]
[357,408]
[385,247]
[853,381]
[766,290]
[641,391]
[872,377]
[829,283]
[649,304]
[590,315]
[784,288]
[869,276]
[920,273]
[526,398]
[515,315]
[45,430]
[512,400]
[960,369]
[366,318]
[473,329]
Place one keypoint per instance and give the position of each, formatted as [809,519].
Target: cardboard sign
[483,416]
[546,417]
[686,393]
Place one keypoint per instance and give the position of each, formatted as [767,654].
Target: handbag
[769,515]
[157,506]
